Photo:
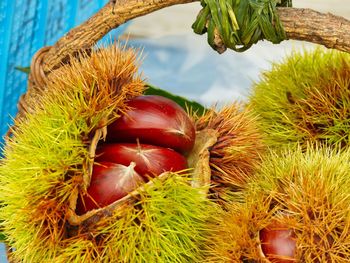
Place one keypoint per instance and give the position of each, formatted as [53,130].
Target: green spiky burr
[47,162]
[305,98]
[306,192]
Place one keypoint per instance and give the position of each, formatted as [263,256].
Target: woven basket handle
[300,24]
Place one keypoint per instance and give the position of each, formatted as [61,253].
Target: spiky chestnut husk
[48,157]
[308,191]
[304,99]
[168,223]
[237,152]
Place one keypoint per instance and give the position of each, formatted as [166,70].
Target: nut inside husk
[306,192]
[48,161]
[199,174]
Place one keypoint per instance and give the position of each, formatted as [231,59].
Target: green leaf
[183,102]
[2,237]
[23,69]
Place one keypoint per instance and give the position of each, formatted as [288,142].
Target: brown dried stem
[112,15]
[319,28]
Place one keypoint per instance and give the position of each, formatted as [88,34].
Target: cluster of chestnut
[150,138]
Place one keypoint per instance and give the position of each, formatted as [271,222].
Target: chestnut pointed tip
[132,165]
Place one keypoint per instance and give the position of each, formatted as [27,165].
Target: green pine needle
[240,24]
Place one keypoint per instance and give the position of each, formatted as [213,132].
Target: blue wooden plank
[6,18]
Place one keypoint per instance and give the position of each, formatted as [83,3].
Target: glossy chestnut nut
[150,160]
[109,183]
[278,243]
[154,120]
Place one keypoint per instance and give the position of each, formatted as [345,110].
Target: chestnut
[154,120]
[278,243]
[109,183]
[150,160]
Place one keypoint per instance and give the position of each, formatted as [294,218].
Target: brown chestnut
[150,160]
[154,120]
[278,243]
[109,183]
